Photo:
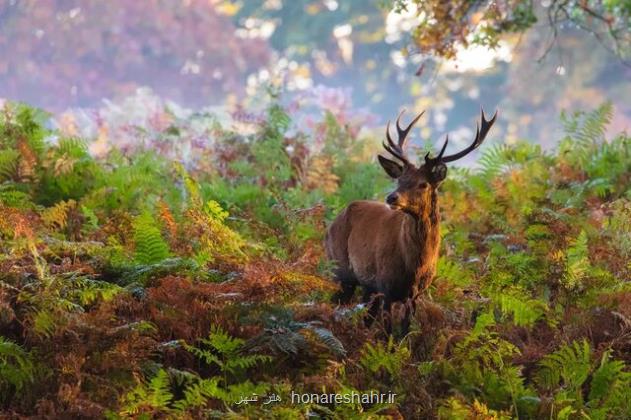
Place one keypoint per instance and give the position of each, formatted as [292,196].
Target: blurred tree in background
[444,26]
[531,59]
[72,53]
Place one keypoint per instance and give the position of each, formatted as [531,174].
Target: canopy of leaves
[445,26]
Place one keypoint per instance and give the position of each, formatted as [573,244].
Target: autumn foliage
[132,285]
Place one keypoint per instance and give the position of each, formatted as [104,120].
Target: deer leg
[379,308]
[369,294]
[410,309]
[386,316]
[346,292]
[374,302]
[347,282]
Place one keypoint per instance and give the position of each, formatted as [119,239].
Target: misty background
[64,55]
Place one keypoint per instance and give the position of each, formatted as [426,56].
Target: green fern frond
[233,393]
[244,362]
[16,367]
[198,394]
[159,393]
[14,198]
[584,131]
[21,122]
[72,146]
[524,311]
[91,219]
[618,226]
[56,217]
[278,119]
[87,291]
[330,341]
[9,161]
[610,373]
[138,273]
[390,357]
[226,352]
[566,372]
[208,357]
[152,397]
[493,159]
[569,366]
[576,262]
[150,246]
[453,272]
[288,342]
[222,342]
[44,322]
[286,336]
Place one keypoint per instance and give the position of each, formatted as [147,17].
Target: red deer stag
[391,249]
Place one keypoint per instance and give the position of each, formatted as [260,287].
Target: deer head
[416,185]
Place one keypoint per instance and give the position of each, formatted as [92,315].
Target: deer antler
[481,131]
[397,149]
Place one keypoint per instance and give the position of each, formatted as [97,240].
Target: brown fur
[389,249]
[392,249]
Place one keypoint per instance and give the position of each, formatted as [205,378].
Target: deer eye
[423,185]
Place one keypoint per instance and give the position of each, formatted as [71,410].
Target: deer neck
[423,238]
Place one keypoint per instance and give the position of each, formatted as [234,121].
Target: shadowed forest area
[163,258]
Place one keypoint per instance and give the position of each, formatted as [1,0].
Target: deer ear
[391,167]
[439,173]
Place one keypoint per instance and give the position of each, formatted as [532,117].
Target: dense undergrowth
[131,286]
